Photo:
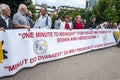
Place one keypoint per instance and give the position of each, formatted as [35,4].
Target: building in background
[90,4]
[50,9]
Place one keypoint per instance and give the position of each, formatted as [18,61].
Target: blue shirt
[41,22]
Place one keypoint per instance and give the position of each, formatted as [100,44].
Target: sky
[72,3]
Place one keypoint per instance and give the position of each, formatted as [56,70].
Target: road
[101,64]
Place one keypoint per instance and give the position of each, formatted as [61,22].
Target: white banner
[21,48]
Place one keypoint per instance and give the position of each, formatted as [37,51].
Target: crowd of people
[23,19]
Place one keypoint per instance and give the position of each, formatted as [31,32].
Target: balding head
[5,10]
[22,8]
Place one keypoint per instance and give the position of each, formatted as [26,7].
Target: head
[115,24]
[23,9]
[57,16]
[111,23]
[70,19]
[93,19]
[5,10]
[78,18]
[29,13]
[105,24]
[85,21]
[43,11]
[66,18]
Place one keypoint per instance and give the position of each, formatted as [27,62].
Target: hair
[44,8]
[3,7]
[21,6]
[78,16]
[66,16]
[92,17]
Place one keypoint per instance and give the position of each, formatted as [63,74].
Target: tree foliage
[85,14]
[107,10]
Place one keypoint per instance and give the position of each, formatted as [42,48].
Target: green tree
[85,14]
[116,6]
[104,10]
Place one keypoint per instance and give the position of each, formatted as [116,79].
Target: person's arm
[21,26]
[49,23]
[61,25]
[2,28]
[36,24]
[70,26]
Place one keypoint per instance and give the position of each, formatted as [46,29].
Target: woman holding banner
[66,24]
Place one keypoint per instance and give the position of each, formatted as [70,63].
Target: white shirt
[62,26]
[6,20]
[41,22]
[57,24]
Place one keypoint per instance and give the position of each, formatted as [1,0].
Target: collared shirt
[20,19]
[6,20]
[41,22]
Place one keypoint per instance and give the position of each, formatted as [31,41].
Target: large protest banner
[21,48]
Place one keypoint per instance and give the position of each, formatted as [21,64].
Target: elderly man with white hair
[19,19]
[5,21]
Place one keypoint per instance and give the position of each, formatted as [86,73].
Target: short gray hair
[21,6]
[3,7]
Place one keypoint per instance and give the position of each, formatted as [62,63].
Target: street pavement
[101,64]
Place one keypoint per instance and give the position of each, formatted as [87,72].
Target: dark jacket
[3,23]
[90,24]
[31,22]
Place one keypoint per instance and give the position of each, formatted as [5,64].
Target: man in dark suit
[5,21]
[91,24]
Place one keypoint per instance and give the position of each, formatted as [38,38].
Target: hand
[70,29]
[27,27]
[2,28]
[90,28]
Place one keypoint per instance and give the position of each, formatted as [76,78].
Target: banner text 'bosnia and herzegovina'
[20,48]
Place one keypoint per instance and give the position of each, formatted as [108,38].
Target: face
[7,11]
[94,19]
[30,14]
[111,23]
[43,11]
[25,10]
[70,18]
[85,21]
[78,18]
[57,16]
[66,19]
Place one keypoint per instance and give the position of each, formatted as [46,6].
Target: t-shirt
[20,19]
